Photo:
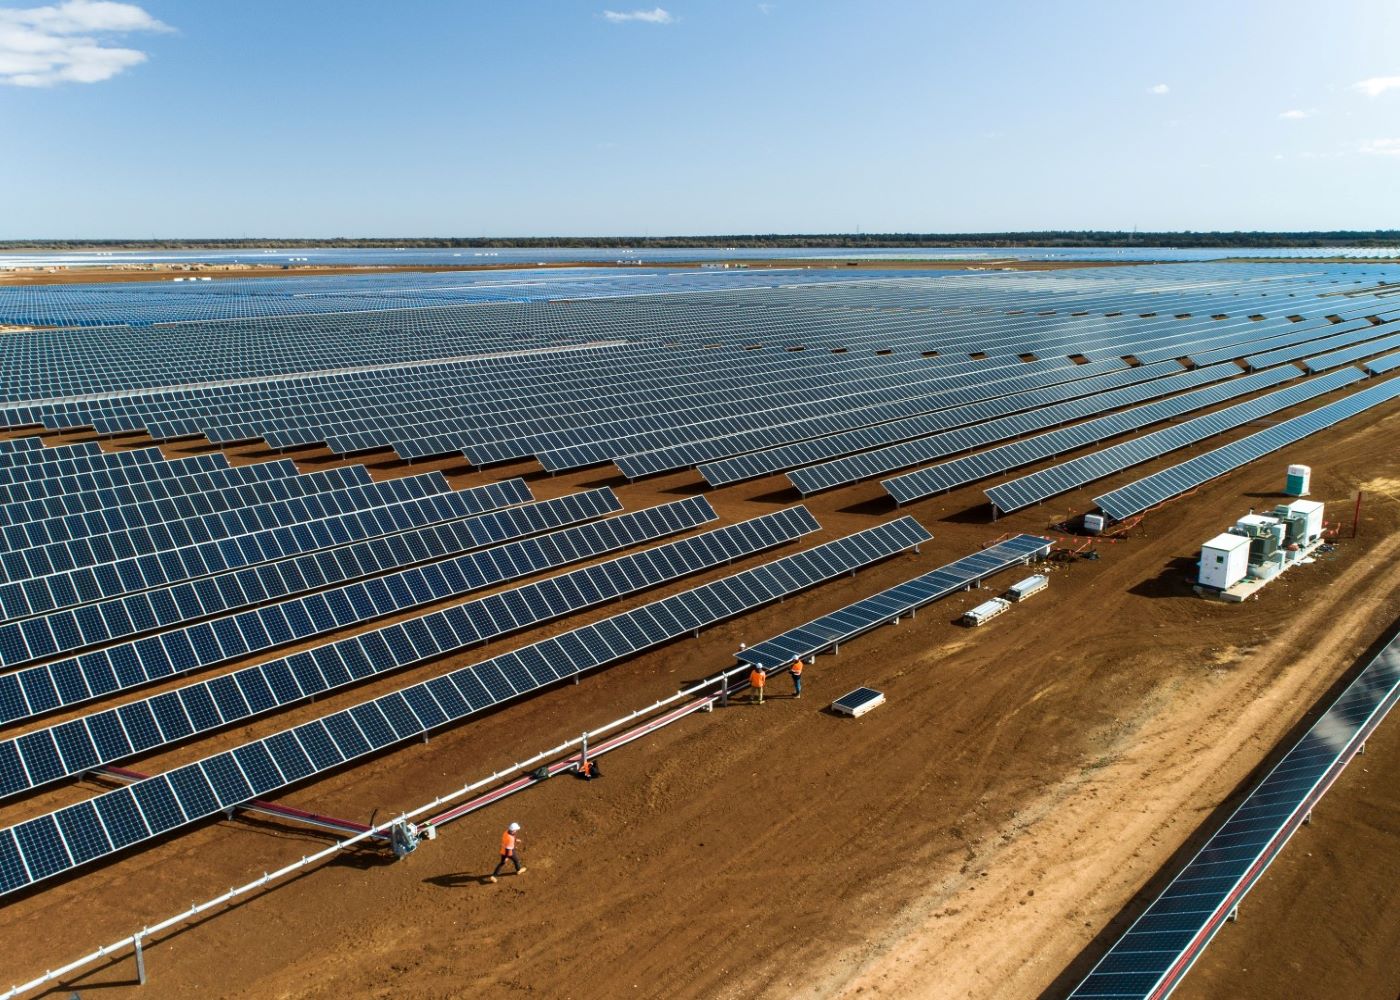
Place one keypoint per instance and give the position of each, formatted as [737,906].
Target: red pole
[1356,514]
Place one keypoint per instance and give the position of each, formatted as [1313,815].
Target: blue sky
[540,117]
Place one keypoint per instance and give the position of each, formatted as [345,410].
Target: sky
[194,118]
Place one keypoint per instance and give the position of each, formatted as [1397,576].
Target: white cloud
[654,16]
[767,8]
[1377,85]
[1160,88]
[43,46]
[1296,114]
[1381,147]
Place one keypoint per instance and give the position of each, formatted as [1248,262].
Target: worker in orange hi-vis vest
[796,671]
[758,678]
[510,851]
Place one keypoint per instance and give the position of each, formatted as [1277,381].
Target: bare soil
[983,834]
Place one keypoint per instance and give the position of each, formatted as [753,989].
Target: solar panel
[1385,364]
[211,479]
[129,543]
[40,849]
[1157,380]
[1159,948]
[1347,355]
[1148,492]
[416,508]
[1045,483]
[37,456]
[862,616]
[72,681]
[70,629]
[31,531]
[858,702]
[236,697]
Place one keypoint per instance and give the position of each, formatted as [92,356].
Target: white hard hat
[513,827]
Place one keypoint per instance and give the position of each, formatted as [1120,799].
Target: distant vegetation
[860,241]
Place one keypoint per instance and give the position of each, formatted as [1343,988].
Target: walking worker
[796,671]
[758,679]
[510,841]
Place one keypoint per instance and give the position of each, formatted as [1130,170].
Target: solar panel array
[57,842]
[71,681]
[863,615]
[1151,382]
[1159,948]
[1041,485]
[1152,490]
[46,755]
[420,503]
[121,568]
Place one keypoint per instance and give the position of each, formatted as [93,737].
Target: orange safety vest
[758,678]
[796,667]
[507,844]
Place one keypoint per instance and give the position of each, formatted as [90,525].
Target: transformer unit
[1224,561]
[1304,520]
[1266,536]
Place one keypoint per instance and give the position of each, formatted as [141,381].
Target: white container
[1312,510]
[1030,585]
[1093,524]
[985,612]
[1224,561]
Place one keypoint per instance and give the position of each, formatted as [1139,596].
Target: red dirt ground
[968,839]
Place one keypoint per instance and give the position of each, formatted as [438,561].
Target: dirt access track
[983,834]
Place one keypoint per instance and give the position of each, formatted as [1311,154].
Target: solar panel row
[46,755]
[71,629]
[111,478]
[88,584]
[815,421]
[1157,950]
[31,532]
[1156,380]
[163,536]
[120,667]
[1347,355]
[968,469]
[56,842]
[863,615]
[190,480]
[1148,492]
[1041,485]
[1388,363]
